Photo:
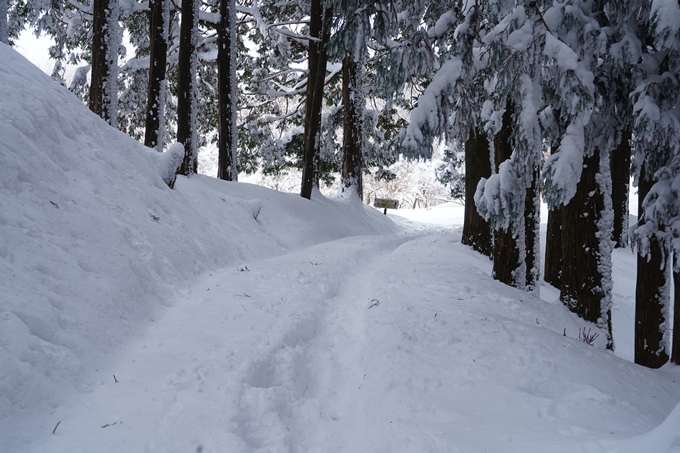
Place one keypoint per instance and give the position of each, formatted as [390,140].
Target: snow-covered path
[395,343]
[257,356]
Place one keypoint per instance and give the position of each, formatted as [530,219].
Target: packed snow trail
[395,343]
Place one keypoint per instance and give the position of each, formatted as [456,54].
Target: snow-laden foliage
[657,125]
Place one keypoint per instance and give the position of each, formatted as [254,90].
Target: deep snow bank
[92,240]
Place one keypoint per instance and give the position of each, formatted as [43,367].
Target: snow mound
[92,239]
[664,438]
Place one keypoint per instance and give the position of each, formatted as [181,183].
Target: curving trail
[396,343]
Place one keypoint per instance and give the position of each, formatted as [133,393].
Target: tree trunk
[104,78]
[553,248]
[506,256]
[476,230]
[584,277]
[319,27]
[186,86]
[651,295]
[4,32]
[675,356]
[226,57]
[620,170]
[353,104]
[155,110]
[581,288]
[532,224]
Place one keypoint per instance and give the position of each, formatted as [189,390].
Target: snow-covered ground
[226,317]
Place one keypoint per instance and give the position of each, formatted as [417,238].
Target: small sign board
[388,203]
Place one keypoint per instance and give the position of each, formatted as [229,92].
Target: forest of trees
[560,101]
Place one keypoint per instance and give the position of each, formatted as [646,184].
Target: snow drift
[92,240]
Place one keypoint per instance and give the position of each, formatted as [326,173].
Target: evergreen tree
[226,57]
[652,291]
[155,111]
[476,230]
[657,166]
[553,248]
[186,85]
[319,33]
[352,101]
[104,80]
[620,171]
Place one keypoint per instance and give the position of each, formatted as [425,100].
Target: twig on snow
[55,428]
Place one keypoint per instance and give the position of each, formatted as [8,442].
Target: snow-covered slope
[225,317]
[93,242]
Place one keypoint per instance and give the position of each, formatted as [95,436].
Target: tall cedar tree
[532,225]
[353,105]
[506,256]
[319,32]
[153,137]
[476,230]
[620,171]
[582,281]
[651,293]
[104,83]
[553,248]
[186,86]
[226,61]
[675,356]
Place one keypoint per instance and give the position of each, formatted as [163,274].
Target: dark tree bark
[319,27]
[227,100]
[651,295]
[532,224]
[582,288]
[4,33]
[553,248]
[581,279]
[506,258]
[153,137]
[675,355]
[103,81]
[476,230]
[620,170]
[186,86]
[353,104]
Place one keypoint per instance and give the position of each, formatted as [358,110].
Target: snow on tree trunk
[553,248]
[319,30]
[586,260]
[4,34]
[675,356]
[352,141]
[532,224]
[476,230]
[620,170]
[227,100]
[186,85]
[104,80]
[652,289]
[509,251]
[155,110]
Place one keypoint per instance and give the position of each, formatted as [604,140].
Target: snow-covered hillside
[225,317]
